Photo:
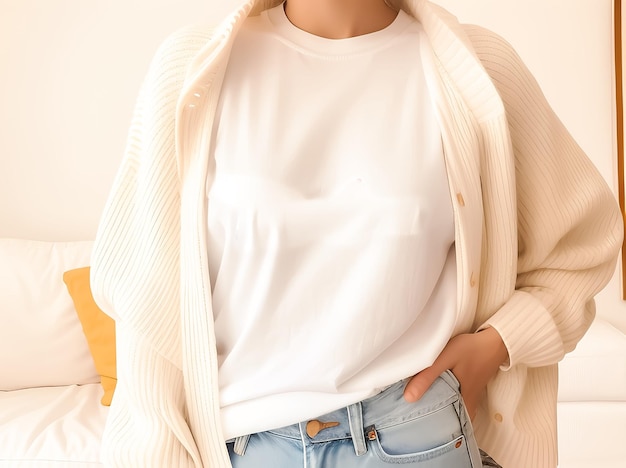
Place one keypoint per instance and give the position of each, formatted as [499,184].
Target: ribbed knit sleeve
[135,275]
[569,228]
[539,276]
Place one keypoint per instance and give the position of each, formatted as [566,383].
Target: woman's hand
[474,358]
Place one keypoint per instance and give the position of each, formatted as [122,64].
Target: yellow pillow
[98,327]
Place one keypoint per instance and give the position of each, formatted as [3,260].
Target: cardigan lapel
[195,114]
[464,98]
[455,53]
[203,82]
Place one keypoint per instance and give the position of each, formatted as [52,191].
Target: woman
[330,215]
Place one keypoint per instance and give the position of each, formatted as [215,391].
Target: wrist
[495,345]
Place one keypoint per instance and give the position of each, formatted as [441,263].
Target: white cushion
[54,426]
[41,339]
[596,369]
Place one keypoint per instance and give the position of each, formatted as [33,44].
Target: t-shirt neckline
[306,41]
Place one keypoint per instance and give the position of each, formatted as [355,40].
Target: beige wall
[70,71]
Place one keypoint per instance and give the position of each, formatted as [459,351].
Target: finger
[420,383]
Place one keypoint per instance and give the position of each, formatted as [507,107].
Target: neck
[339,19]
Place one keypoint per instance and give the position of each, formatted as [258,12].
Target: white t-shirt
[330,223]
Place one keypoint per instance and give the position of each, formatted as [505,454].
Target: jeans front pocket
[427,435]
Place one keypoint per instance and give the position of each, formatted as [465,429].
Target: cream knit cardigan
[537,232]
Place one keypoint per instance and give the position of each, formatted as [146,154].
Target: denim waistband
[375,413]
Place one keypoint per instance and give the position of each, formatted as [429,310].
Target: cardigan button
[195,97]
[472,280]
[461,200]
[498,417]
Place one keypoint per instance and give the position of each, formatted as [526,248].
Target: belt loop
[355,418]
[241,444]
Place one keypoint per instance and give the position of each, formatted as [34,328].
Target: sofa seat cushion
[51,426]
[596,369]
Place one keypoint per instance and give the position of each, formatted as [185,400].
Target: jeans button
[313,427]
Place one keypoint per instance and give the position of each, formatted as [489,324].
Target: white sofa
[50,411]
[592,400]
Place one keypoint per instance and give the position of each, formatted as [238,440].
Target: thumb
[420,383]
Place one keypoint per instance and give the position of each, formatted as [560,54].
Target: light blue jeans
[382,431]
